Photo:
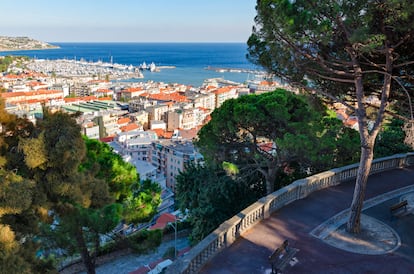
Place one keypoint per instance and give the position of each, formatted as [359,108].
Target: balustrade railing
[234,227]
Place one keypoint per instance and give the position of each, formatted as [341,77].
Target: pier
[236,70]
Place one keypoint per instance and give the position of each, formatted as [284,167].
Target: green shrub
[108,248]
[145,241]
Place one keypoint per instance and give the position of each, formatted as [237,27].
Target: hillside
[22,43]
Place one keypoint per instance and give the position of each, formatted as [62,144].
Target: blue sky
[128,20]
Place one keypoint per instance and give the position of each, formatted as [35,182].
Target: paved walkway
[132,262]
[315,226]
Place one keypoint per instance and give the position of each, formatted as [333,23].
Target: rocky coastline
[23,43]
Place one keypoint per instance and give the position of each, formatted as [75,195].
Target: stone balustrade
[231,229]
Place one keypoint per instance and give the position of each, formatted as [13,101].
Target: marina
[82,68]
[175,62]
[236,70]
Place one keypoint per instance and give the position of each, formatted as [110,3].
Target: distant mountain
[22,43]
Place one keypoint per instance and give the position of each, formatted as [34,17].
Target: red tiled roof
[124,120]
[104,99]
[162,133]
[175,97]
[163,220]
[158,131]
[223,90]
[266,147]
[77,99]
[132,89]
[29,93]
[103,90]
[14,76]
[129,127]
[107,139]
[350,122]
[12,94]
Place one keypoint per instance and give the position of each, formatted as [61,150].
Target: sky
[128,20]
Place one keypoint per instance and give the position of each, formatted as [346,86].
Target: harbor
[82,68]
[235,70]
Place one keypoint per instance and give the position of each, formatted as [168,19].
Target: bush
[145,241]
[108,248]
[141,242]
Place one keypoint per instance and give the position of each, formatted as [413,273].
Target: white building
[136,144]
[181,118]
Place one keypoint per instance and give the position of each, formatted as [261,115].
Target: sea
[190,60]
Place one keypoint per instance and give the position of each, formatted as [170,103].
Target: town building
[39,96]
[181,118]
[170,157]
[136,144]
[203,100]
[225,93]
[130,93]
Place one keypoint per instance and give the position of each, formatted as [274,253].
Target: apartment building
[108,124]
[104,92]
[181,118]
[225,93]
[140,117]
[30,97]
[136,144]
[158,112]
[140,104]
[90,129]
[171,156]
[132,92]
[201,100]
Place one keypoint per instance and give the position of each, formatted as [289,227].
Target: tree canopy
[18,210]
[268,133]
[391,139]
[211,197]
[110,167]
[348,51]
[78,188]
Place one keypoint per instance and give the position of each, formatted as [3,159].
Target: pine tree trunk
[86,258]
[270,178]
[354,221]
[367,138]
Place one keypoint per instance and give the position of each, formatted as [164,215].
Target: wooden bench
[398,209]
[281,257]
